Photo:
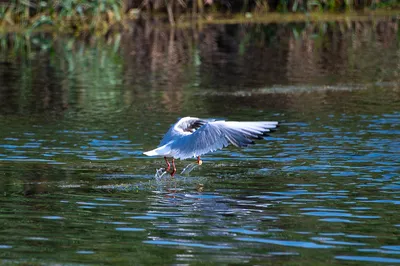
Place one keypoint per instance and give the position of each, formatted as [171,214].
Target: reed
[66,14]
[101,15]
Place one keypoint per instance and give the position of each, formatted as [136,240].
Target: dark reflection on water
[77,114]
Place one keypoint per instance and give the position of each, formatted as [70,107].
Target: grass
[102,15]
[71,15]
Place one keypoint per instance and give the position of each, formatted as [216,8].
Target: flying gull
[192,137]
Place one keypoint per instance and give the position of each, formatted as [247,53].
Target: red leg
[199,161]
[168,165]
[173,167]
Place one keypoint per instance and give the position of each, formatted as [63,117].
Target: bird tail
[161,151]
[151,153]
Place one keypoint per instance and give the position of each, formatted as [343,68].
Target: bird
[193,137]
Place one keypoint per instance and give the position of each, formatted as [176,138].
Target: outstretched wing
[217,135]
[185,126]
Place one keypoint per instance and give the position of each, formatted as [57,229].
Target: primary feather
[192,137]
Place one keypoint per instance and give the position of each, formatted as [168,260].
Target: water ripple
[368,259]
[301,244]
[185,244]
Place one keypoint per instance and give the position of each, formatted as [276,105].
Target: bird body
[193,137]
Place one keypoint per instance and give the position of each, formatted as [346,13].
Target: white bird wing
[185,126]
[217,135]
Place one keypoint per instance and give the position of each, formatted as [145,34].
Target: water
[76,115]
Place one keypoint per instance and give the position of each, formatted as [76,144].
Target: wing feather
[183,127]
[217,135]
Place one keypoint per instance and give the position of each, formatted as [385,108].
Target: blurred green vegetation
[160,68]
[70,62]
[69,14]
[102,15]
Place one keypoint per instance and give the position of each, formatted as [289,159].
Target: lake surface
[76,113]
